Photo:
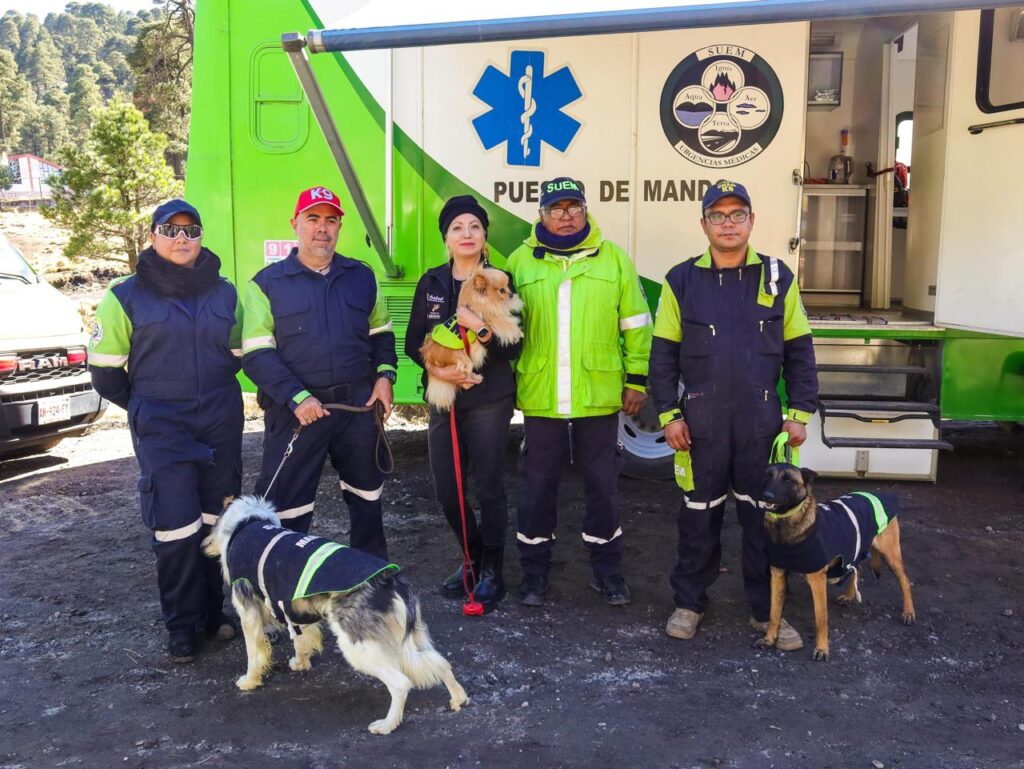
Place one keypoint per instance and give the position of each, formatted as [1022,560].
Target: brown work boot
[788,641]
[683,624]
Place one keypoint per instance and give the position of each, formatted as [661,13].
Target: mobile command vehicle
[882,152]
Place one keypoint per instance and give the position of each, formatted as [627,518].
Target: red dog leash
[472,607]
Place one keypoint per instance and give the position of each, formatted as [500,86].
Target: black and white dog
[292,580]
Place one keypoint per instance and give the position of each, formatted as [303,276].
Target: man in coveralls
[587,336]
[729,323]
[174,325]
[317,331]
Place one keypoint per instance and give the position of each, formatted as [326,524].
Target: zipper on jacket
[761,324]
[719,279]
[712,327]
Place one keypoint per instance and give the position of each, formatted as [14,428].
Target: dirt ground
[577,683]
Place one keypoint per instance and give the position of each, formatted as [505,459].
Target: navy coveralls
[185,415]
[323,344]
[731,353]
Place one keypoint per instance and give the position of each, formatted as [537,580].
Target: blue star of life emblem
[526,108]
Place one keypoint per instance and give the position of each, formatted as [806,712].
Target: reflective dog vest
[446,335]
[842,532]
[284,565]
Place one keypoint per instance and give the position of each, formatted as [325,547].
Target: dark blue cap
[562,188]
[723,188]
[165,211]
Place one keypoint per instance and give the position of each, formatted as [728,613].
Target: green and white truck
[917,305]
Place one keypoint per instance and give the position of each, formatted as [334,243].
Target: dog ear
[480,283]
[808,476]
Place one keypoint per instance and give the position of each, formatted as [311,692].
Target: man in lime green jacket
[584,358]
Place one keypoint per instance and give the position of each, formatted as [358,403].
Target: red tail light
[8,364]
[77,356]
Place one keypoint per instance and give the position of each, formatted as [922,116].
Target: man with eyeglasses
[729,323]
[317,331]
[165,346]
[584,358]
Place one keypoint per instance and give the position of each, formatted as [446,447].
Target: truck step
[828,406]
[886,443]
[851,368]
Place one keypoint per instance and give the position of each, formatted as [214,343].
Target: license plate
[53,409]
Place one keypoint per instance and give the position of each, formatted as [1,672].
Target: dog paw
[247,684]
[848,600]
[764,643]
[383,726]
[456,705]
[821,655]
[909,618]
[299,665]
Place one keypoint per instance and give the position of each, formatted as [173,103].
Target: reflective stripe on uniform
[172,535]
[106,359]
[748,499]
[209,519]
[381,329]
[315,562]
[704,505]
[263,560]
[295,512]
[881,519]
[236,351]
[258,343]
[598,541]
[564,387]
[856,528]
[369,496]
[533,540]
[635,321]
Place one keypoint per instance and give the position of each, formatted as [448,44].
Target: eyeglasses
[736,217]
[190,231]
[563,213]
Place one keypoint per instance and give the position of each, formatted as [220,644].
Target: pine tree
[84,93]
[111,182]
[13,101]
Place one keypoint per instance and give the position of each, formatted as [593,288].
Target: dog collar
[786,514]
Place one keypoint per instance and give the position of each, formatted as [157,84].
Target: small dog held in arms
[826,541]
[287,579]
[487,293]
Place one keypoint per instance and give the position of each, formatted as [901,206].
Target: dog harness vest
[842,532]
[446,335]
[283,566]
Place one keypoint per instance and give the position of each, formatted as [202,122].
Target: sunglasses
[171,231]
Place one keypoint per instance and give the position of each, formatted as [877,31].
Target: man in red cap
[316,330]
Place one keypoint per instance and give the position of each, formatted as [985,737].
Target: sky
[42,7]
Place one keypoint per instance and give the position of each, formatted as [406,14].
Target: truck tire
[644,451]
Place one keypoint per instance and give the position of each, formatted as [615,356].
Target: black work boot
[453,587]
[182,646]
[613,588]
[491,587]
[532,589]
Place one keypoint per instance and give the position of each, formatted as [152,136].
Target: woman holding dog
[483,407]
[166,347]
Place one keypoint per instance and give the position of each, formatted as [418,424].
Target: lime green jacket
[587,328]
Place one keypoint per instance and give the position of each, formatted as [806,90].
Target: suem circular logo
[721,106]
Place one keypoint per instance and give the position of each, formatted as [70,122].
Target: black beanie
[461,204]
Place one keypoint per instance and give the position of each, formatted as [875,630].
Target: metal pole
[294,46]
[623,21]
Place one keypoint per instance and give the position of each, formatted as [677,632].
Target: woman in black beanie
[483,407]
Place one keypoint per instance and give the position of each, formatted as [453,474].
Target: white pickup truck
[45,392]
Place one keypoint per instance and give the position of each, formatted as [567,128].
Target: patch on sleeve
[97,333]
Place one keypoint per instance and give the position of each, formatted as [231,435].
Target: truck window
[1000,84]
[12,262]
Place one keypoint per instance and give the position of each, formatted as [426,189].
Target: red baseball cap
[314,196]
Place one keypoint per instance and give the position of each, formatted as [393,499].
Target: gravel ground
[86,682]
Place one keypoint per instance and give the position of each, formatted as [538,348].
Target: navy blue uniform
[185,415]
[329,336]
[727,335]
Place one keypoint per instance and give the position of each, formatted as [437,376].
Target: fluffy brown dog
[486,292]
[826,541]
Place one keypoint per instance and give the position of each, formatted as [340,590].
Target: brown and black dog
[826,542]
